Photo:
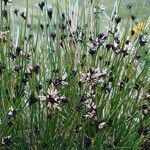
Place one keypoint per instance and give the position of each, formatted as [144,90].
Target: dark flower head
[6,141]
[53,35]
[16,12]
[60,81]
[68,22]
[90,104]
[143,40]
[32,99]
[41,5]
[108,46]
[132,32]
[63,16]
[122,84]
[18,50]
[17,68]
[145,109]
[23,15]
[39,86]
[6,1]
[78,128]
[92,51]
[29,26]
[138,86]
[91,1]
[103,36]
[129,6]
[42,26]
[12,113]
[125,53]
[47,25]
[62,26]
[118,20]
[143,131]
[145,145]
[34,69]
[93,76]
[36,130]
[133,17]
[50,13]
[53,98]
[107,87]
[137,56]
[99,9]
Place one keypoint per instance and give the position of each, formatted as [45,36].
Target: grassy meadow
[74,75]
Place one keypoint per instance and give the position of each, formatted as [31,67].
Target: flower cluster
[97,42]
[90,105]
[93,76]
[6,141]
[53,98]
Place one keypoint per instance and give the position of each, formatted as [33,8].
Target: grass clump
[74,76]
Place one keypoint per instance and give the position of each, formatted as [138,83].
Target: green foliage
[74,75]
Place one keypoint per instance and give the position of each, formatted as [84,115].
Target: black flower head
[92,51]
[47,25]
[145,145]
[108,46]
[77,129]
[34,69]
[36,130]
[29,26]
[41,5]
[68,22]
[42,27]
[5,2]
[32,99]
[18,50]
[145,109]
[6,141]
[91,1]
[60,81]
[118,20]
[17,68]
[16,12]
[122,84]
[62,26]
[53,35]
[102,37]
[63,16]
[132,32]
[143,131]
[12,113]
[50,13]
[143,40]
[53,98]
[133,17]
[129,6]
[23,15]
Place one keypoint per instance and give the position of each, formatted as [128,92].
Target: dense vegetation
[74,75]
